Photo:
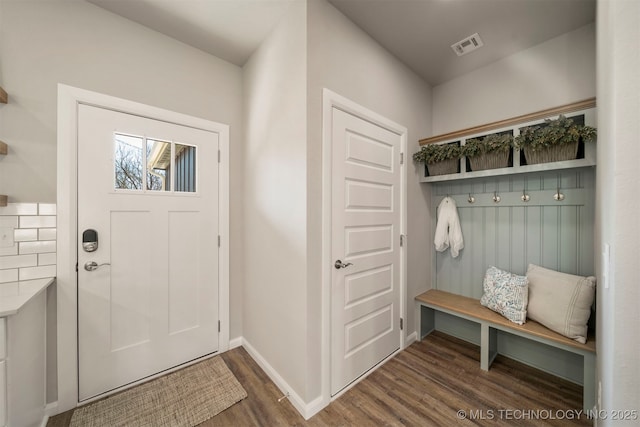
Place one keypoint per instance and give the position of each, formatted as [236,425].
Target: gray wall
[617,209]
[275,194]
[46,42]
[556,72]
[347,61]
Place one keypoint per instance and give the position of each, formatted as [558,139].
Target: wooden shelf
[519,120]
[587,158]
[3,147]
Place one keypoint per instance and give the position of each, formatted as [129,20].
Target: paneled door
[365,245]
[148,287]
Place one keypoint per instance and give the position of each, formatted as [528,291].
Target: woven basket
[554,153]
[492,160]
[444,167]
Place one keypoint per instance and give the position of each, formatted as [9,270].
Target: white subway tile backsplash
[18,261]
[9,251]
[47,259]
[9,221]
[46,208]
[37,247]
[19,209]
[37,221]
[33,256]
[25,234]
[9,275]
[47,234]
[30,273]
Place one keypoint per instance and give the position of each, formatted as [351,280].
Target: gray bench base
[489,345]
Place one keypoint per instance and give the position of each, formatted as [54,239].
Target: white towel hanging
[448,231]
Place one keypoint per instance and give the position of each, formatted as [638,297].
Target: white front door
[366,220]
[149,189]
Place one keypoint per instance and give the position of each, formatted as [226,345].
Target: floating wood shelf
[4,148]
[3,96]
[538,115]
[587,156]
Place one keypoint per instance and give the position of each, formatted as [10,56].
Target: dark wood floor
[425,385]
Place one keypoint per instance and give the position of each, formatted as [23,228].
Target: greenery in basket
[556,132]
[433,153]
[496,142]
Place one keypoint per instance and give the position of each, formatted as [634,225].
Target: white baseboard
[316,405]
[410,339]
[235,343]
[50,409]
[307,410]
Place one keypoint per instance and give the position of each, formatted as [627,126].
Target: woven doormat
[184,398]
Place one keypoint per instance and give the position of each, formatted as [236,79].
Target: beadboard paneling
[512,234]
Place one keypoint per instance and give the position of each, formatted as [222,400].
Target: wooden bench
[491,322]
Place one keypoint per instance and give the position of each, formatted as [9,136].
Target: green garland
[496,142]
[433,153]
[556,132]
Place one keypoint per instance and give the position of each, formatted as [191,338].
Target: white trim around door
[332,100]
[69,98]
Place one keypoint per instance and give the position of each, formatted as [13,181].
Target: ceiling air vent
[467,45]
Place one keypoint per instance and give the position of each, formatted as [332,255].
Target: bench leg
[427,321]
[589,382]
[488,346]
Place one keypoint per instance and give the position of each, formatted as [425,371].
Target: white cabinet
[3,372]
[3,393]
[22,365]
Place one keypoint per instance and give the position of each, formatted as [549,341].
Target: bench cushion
[560,301]
[506,293]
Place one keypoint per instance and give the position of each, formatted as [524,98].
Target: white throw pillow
[560,301]
[505,293]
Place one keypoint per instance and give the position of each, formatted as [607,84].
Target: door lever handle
[92,265]
[339,264]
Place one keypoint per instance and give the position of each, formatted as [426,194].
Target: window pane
[185,168]
[158,163]
[128,162]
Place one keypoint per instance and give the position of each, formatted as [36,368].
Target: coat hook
[558,196]
[525,197]
[471,199]
[496,198]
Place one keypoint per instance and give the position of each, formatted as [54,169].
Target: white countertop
[14,295]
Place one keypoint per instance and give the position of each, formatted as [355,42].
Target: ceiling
[418,32]
[228,29]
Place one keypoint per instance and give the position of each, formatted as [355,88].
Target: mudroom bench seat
[491,322]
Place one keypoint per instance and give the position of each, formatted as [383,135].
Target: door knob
[92,265]
[339,264]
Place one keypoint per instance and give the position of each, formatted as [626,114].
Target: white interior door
[366,220]
[150,190]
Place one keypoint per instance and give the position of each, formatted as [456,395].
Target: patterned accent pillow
[506,293]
